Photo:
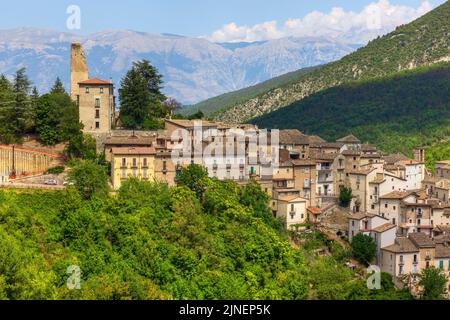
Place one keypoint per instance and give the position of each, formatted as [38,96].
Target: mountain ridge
[420,43]
[194,68]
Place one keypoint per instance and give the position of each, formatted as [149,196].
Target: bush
[56,170]
[364,248]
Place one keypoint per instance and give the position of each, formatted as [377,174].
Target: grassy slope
[397,112]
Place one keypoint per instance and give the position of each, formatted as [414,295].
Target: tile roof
[349,139]
[130,141]
[397,195]
[133,151]
[191,123]
[442,251]
[394,158]
[303,162]
[293,136]
[421,240]
[290,198]
[361,216]
[315,211]
[384,228]
[95,81]
[402,245]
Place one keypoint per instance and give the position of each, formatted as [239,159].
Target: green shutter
[441,264]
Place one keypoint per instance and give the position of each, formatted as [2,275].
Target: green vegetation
[141,100]
[154,242]
[364,248]
[194,177]
[437,152]
[90,179]
[56,170]
[345,196]
[397,113]
[419,43]
[227,100]
[433,284]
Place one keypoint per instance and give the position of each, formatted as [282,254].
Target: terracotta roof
[394,158]
[410,162]
[362,172]
[431,179]
[316,139]
[421,240]
[402,245]
[361,216]
[315,211]
[442,251]
[368,147]
[130,141]
[290,198]
[293,137]
[384,228]
[397,195]
[303,162]
[133,151]
[95,81]
[349,139]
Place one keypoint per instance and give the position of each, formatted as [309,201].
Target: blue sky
[185,17]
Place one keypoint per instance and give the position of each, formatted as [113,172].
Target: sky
[217,20]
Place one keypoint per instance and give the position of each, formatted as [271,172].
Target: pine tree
[58,87]
[152,77]
[34,101]
[21,113]
[7,102]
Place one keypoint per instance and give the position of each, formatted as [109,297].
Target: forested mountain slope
[422,42]
[397,112]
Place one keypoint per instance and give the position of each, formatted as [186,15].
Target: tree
[197,116]
[433,284]
[7,101]
[90,179]
[82,146]
[57,118]
[195,178]
[364,248]
[21,115]
[141,98]
[172,105]
[345,196]
[58,87]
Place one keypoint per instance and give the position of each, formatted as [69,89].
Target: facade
[136,163]
[291,210]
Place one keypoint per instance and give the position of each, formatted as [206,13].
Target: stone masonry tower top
[78,69]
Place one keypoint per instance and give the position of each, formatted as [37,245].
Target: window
[97,114]
[87,89]
[292,208]
[400,271]
[353,223]
[146,162]
[101,90]
[386,205]
[97,102]
[134,162]
[441,264]
[97,125]
[124,162]
[415,258]
[393,221]
[395,208]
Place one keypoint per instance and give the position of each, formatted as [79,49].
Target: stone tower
[419,154]
[78,69]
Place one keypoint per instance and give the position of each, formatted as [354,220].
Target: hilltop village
[394,199]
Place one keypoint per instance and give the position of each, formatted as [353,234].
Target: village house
[128,163]
[443,169]
[291,210]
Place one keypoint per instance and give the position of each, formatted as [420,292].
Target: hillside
[226,100]
[397,112]
[422,42]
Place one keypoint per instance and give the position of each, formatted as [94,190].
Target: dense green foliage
[227,100]
[141,100]
[364,248]
[90,179]
[155,242]
[433,284]
[345,196]
[397,113]
[194,177]
[56,170]
[420,43]
[437,152]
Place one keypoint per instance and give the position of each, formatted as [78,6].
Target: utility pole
[13,172]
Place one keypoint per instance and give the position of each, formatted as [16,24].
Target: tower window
[97,102]
[101,90]
[87,89]
[97,114]
[97,125]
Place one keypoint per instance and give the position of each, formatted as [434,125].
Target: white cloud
[375,19]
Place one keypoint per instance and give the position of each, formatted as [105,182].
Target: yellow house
[132,163]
